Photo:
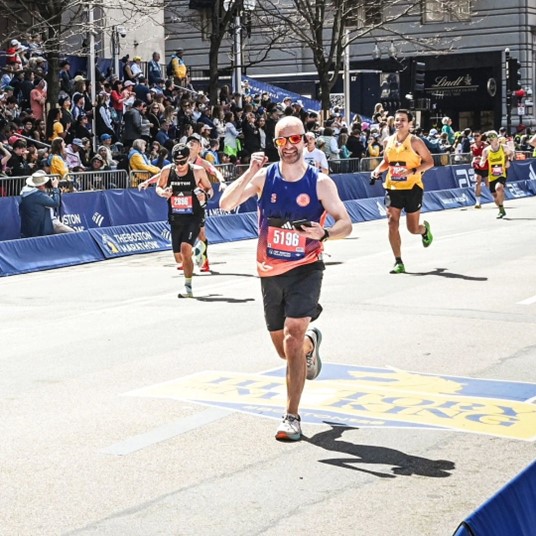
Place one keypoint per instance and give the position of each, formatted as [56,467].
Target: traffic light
[419,69]
[514,74]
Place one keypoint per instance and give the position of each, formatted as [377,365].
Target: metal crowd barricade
[84,181]
[11,186]
[524,155]
[239,169]
[460,158]
[138,176]
[227,170]
[344,165]
[368,164]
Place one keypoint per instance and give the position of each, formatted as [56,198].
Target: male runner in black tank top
[187,190]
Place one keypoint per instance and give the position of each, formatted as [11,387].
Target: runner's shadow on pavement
[220,298]
[402,464]
[212,272]
[442,272]
[507,218]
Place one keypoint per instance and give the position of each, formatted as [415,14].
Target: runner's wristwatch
[325,237]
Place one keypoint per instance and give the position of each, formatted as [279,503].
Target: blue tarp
[45,252]
[510,512]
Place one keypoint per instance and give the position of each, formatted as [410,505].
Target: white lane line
[165,432]
[528,301]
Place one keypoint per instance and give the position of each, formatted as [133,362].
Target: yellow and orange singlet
[401,156]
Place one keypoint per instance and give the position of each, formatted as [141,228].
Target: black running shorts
[493,184]
[184,233]
[294,294]
[409,200]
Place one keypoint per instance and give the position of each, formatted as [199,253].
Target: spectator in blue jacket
[36,205]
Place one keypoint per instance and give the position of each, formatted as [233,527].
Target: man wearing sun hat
[36,204]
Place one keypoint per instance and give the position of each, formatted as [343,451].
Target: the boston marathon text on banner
[132,239]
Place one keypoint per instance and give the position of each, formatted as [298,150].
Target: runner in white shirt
[313,156]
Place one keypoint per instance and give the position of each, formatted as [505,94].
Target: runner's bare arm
[151,180]
[484,157]
[427,160]
[383,165]
[247,185]
[161,188]
[202,180]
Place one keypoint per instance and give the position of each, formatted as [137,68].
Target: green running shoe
[502,214]
[427,238]
[398,269]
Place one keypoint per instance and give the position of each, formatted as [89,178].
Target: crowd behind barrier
[119,179]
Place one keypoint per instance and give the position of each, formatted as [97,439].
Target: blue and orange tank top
[280,248]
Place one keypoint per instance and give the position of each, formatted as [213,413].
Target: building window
[446,10]
[364,15]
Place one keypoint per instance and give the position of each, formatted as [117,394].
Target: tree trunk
[215,42]
[325,88]
[53,59]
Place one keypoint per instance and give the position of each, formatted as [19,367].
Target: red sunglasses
[294,139]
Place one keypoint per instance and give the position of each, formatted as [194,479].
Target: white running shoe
[186,293]
[198,253]
[290,428]
[314,363]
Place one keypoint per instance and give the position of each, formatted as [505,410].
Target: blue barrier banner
[45,252]
[510,511]
[213,206]
[522,169]
[126,206]
[9,219]
[356,186]
[119,241]
[155,207]
[455,198]
[277,94]
[232,227]
[84,210]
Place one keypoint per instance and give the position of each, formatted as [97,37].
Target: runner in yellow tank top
[496,157]
[406,158]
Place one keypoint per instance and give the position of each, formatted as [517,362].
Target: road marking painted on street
[368,397]
[528,301]
[165,432]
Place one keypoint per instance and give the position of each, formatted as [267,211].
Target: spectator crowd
[137,118]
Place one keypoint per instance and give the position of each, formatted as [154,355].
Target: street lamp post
[237,74]
[508,92]
[347,77]
[91,61]
[238,6]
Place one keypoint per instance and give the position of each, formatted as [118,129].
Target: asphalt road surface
[126,411]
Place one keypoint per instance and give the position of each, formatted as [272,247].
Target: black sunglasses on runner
[294,139]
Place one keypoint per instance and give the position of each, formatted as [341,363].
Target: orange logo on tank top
[303,200]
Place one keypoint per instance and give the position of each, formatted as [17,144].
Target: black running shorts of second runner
[409,200]
[184,233]
[294,294]
[493,184]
